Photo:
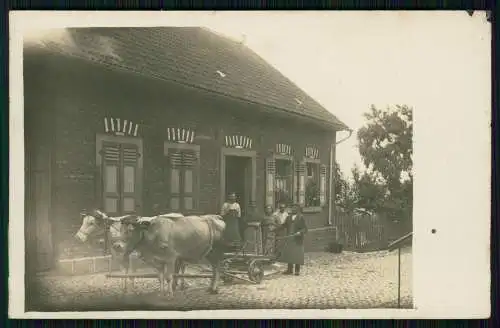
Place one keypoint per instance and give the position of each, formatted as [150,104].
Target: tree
[385,145]
[370,192]
[345,194]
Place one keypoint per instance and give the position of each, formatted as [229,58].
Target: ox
[166,242]
[94,225]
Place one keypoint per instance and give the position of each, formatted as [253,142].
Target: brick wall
[83,94]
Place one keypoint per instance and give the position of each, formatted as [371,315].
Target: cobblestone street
[347,280]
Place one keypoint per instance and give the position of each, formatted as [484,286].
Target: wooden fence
[361,231]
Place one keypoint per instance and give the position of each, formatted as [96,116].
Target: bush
[334,247]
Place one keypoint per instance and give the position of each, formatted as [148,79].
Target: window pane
[188,203]
[129,204]
[111,205]
[110,178]
[310,169]
[175,181]
[174,203]
[312,185]
[284,180]
[128,178]
[188,181]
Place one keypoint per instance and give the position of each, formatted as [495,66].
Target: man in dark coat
[292,252]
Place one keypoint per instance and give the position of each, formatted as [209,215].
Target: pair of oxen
[166,242]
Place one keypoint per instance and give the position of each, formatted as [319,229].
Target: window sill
[312,209]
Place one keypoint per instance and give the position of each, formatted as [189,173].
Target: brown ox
[164,241]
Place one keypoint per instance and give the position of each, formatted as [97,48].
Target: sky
[348,61]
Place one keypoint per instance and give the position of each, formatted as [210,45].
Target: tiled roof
[193,56]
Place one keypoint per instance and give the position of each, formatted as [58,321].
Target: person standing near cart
[279,219]
[292,251]
[267,226]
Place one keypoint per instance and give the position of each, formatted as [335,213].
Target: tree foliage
[386,184]
[385,145]
[345,195]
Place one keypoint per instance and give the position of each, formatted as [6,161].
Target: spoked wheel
[255,271]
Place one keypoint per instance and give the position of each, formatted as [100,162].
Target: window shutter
[301,174]
[175,159]
[189,180]
[322,185]
[183,180]
[130,188]
[111,152]
[174,179]
[270,177]
[130,154]
[111,177]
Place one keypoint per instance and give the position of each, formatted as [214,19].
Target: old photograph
[218,166]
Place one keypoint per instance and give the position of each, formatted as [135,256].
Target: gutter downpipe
[332,164]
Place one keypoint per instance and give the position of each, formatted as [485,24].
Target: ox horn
[118,219]
[145,220]
[101,214]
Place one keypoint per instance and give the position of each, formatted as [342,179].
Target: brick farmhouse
[165,119]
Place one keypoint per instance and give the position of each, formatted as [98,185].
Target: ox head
[93,224]
[131,233]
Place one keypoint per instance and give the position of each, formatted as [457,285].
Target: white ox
[94,224]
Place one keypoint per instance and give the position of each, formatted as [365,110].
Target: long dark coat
[292,250]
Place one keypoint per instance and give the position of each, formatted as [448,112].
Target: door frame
[252,154]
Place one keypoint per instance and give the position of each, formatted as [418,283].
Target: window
[181,177]
[311,189]
[283,192]
[280,182]
[312,185]
[119,177]
[303,182]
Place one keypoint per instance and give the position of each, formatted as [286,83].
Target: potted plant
[312,194]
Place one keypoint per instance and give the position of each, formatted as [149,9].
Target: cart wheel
[255,271]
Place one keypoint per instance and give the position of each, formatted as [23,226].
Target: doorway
[238,179]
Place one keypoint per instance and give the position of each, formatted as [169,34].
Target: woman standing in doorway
[231,213]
